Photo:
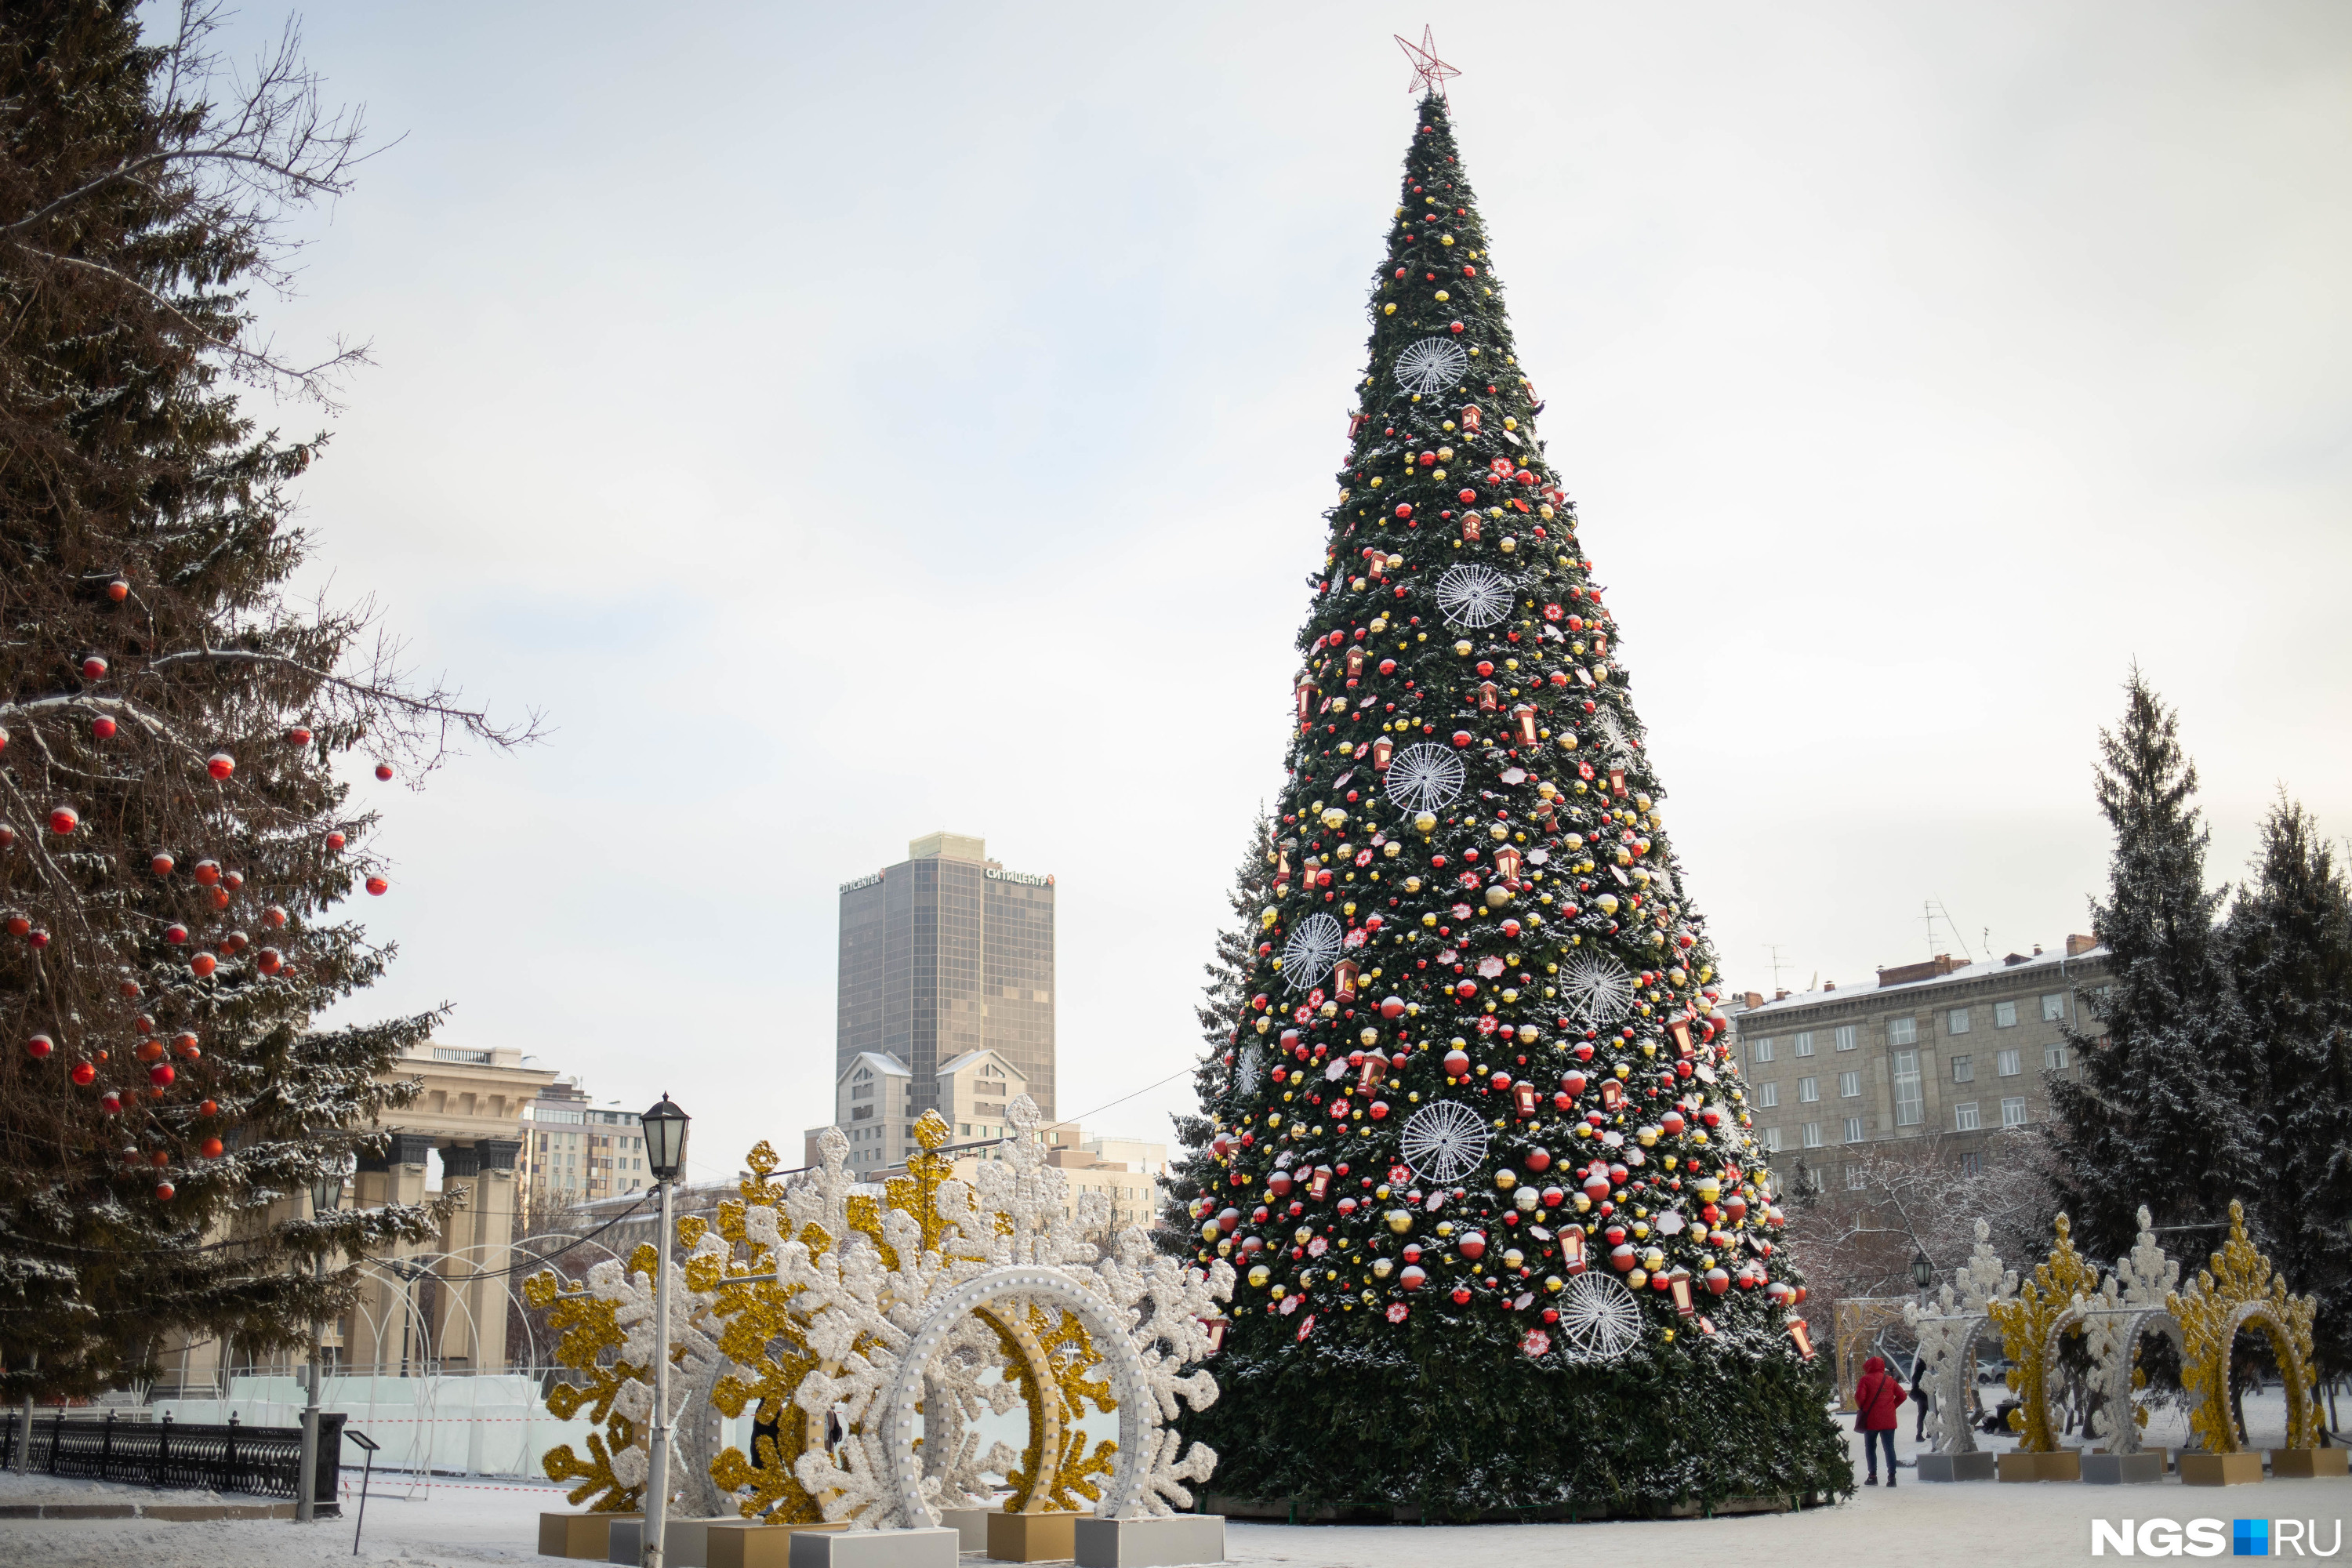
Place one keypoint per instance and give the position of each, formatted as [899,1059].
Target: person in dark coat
[1919,1395]
[1875,1398]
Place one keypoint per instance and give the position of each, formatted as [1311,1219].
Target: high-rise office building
[945,953]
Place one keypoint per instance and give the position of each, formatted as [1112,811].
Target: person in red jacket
[1874,1399]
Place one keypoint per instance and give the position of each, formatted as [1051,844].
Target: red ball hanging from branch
[39,1046]
[383,771]
[64,819]
[220,764]
[378,886]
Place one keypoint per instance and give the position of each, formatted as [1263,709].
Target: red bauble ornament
[1414,1277]
[1485,668]
[64,819]
[40,1045]
[209,1107]
[1458,1064]
[220,764]
[1404,508]
[383,771]
[93,668]
[1471,1246]
[1468,497]
[151,1050]
[175,933]
[208,872]
[1455,327]
[83,1073]
[1392,1006]
[211,1148]
[269,961]
[39,938]
[378,886]
[232,880]
[18,925]
[1461,1295]
[118,590]
[101,728]
[1461,737]
[298,736]
[161,1073]
[165,1191]
[335,840]
[203,964]
[110,1102]
[162,864]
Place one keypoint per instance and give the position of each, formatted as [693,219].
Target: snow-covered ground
[460,1524]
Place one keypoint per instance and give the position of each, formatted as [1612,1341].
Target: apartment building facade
[1960,1053]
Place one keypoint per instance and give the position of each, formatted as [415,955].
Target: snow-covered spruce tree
[2162,1112]
[174,839]
[1482,1160]
[2287,944]
[1223,1002]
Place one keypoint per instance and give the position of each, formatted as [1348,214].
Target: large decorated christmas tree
[1481,1152]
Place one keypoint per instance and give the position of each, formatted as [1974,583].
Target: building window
[1771,1094]
[1854,1179]
[1761,1051]
[2007,1063]
[2013,1110]
[1902,1031]
[1972,1163]
[2054,1057]
[1805,1043]
[1849,1085]
[1847,1037]
[1771,1139]
[1909,1106]
[1964,1116]
[1812,1134]
[1956,1022]
[1853,1129]
[1809,1090]
[1964,1069]
[2054,1008]
[2004,1015]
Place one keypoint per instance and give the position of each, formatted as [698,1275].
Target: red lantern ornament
[63,819]
[220,764]
[1384,747]
[1343,979]
[1524,715]
[1571,1251]
[378,886]
[1802,1336]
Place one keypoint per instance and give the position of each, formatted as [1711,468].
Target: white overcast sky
[853,421]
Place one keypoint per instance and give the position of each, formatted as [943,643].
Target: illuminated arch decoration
[2130,1303]
[2046,1309]
[2237,1291]
[877,1313]
[1948,1340]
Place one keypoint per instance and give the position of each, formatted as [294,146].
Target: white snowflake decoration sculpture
[1476,596]
[879,1332]
[1946,1334]
[1425,777]
[1594,992]
[691,1329]
[1430,366]
[1249,1068]
[1599,1319]
[1444,1141]
[1313,948]
[2130,1300]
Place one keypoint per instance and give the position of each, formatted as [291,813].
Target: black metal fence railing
[179,1454]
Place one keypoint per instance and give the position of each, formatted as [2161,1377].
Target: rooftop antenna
[1933,909]
[1778,964]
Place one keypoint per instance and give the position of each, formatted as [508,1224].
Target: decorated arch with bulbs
[837,1310]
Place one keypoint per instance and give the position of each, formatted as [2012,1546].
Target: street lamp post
[1923,1273]
[665,1130]
[409,1270]
[326,1197]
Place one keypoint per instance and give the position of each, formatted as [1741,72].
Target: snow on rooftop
[2053,962]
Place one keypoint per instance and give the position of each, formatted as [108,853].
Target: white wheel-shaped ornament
[1444,1141]
[1597,1318]
[1312,950]
[1424,777]
[1248,1068]
[1612,734]
[1430,366]
[1593,991]
[1476,596]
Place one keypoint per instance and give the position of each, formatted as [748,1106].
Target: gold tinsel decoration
[2025,1324]
[2238,1290]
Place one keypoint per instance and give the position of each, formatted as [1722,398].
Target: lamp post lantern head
[1923,1273]
[665,1127]
[326,1193]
